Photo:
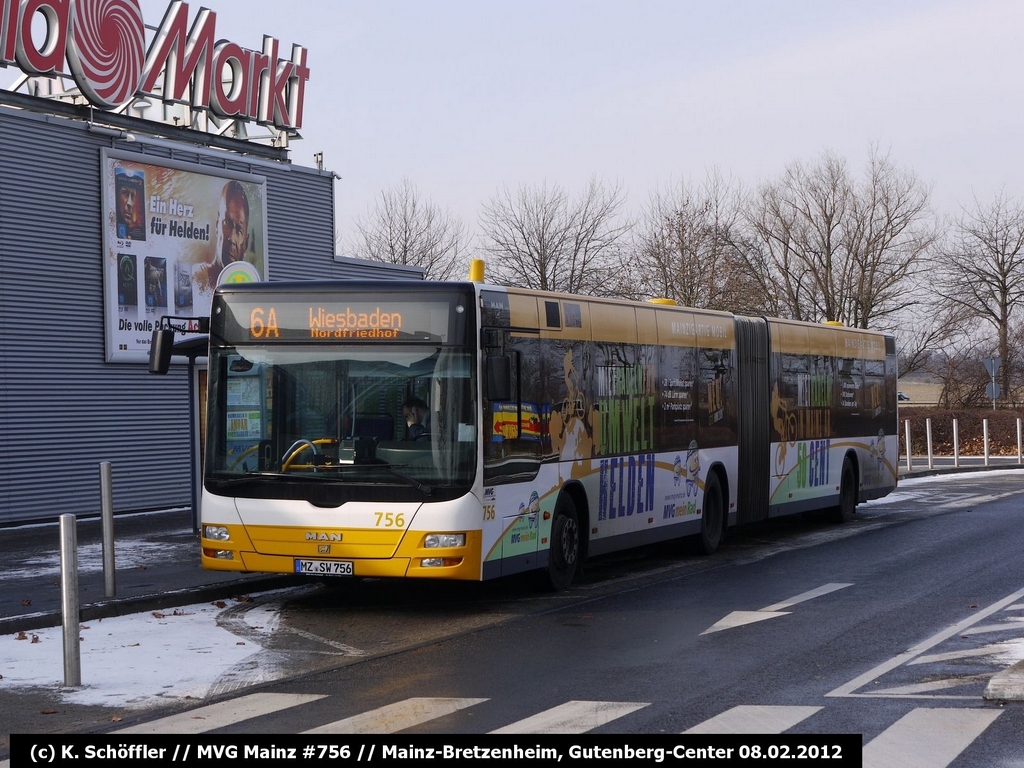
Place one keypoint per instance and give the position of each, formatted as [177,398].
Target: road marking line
[740,618]
[573,717]
[973,501]
[1015,622]
[987,650]
[803,597]
[754,720]
[931,685]
[887,666]
[223,713]
[396,717]
[927,738]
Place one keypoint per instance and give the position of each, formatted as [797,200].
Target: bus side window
[512,446]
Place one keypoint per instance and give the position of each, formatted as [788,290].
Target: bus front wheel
[712,521]
[565,545]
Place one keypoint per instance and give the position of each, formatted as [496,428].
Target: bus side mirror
[498,370]
[160,350]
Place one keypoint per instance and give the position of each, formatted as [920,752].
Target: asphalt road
[798,620]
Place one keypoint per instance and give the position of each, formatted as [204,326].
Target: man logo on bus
[677,471]
[534,503]
[692,468]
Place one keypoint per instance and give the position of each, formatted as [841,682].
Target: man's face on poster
[127,204]
[234,231]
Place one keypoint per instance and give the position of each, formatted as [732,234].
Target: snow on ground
[137,661]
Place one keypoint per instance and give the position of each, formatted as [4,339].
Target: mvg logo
[218,751]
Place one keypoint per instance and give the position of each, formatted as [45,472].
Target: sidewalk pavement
[156,563]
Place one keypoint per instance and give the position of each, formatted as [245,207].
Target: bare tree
[402,228]
[796,226]
[540,238]
[686,249]
[922,335]
[834,249]
[889,239]
[958,365]
[982,270]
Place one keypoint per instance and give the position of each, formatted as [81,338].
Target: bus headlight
[216,532]
[435,540]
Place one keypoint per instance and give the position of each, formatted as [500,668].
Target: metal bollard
[984,425]
[107,515]
[910,463]
[69,601]
[928,435]
[1020,445]
[956,443]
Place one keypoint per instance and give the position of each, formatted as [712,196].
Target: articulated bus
[558,427]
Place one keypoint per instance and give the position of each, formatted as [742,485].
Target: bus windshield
[329,423]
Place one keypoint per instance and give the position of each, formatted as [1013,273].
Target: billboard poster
[172,232]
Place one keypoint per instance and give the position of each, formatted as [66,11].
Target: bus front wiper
[423,488]
[230,482]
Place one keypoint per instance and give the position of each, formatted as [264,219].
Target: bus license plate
[324,567]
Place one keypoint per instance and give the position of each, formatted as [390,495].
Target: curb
[149,602]
[1007,685]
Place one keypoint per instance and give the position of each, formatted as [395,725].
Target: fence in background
[953,455]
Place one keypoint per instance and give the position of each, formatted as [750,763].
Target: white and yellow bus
[558,427]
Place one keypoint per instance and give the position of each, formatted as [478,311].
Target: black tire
[847,493]
[566,545]
[712,521]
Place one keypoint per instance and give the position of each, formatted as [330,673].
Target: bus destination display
[341,321]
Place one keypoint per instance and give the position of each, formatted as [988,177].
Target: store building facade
[85,275]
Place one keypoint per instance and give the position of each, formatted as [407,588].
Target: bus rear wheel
[565,545]
[712,521]
[847,493]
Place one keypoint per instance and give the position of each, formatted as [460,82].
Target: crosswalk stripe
[573,717]
[750,719]
[223,713]
[396,717]
[927,738]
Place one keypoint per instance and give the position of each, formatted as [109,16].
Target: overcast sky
[463,98]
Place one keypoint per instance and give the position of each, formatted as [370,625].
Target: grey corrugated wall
[63,409]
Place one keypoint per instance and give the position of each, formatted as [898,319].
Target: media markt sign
[101,44]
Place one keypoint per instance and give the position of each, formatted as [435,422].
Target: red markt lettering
[181,60]
[104,48]
[258,87]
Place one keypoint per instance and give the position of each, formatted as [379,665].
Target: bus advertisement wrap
[508,430]
[171,234]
